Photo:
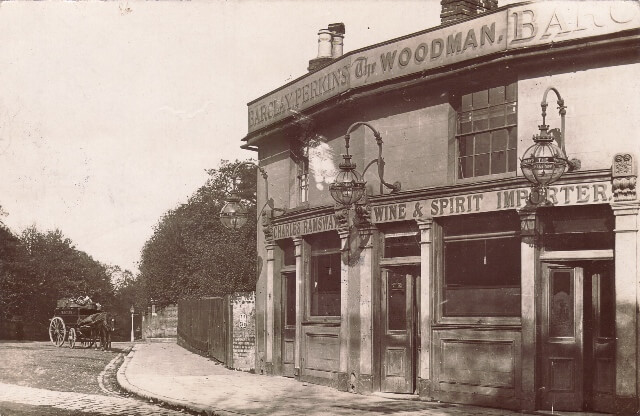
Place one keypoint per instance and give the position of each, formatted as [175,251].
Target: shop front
[461,297]
[446,255]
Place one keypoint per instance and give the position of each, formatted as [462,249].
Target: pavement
[168,373]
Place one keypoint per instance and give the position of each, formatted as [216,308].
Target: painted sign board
[472,203]
[304,227]
[561,195]
[518,27]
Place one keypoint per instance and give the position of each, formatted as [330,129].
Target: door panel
[601,373]
[398,338]
[289,323]
[562,338]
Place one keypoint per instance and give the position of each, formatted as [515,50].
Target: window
[300,155]
[481,267]
[486,132]
[325,276]
[401,240]
[578,228]
[288,253]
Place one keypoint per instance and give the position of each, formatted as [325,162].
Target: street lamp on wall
[349,186]
[544,162]
[233,214]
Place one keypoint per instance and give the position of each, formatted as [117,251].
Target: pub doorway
[400,338]
[578,336]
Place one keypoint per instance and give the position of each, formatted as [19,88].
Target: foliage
[191,254]
[38,268]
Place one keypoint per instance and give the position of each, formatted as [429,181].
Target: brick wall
[164,324]
[243,339]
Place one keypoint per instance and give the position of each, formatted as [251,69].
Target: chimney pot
[454,10]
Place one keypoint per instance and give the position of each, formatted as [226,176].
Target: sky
[110,112]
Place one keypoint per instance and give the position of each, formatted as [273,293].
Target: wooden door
[600,367]
[562,338]
[289,323]
[398,326]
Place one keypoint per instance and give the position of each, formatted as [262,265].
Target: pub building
[417,239]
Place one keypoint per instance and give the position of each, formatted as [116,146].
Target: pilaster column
[297,243]
[426,291]
[270,247]
[627,299]
[344,311]
[530,231]
[365,382]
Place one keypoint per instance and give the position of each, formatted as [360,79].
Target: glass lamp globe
[348,187]
[233,214]
[544,162]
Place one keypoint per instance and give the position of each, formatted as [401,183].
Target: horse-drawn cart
[77,322]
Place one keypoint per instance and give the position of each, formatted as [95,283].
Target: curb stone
[124,383]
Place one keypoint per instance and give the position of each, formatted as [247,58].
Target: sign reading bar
[513,28]
[562,195]
[303,227]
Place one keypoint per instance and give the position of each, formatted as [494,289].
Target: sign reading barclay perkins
[513,28]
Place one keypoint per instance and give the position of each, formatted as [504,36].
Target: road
[36,378]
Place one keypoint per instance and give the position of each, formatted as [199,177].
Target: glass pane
[482,277]
[498,162]
[561,304]
[325,285]
[290,318]
[464,123]
[510,92]
[480,99]
[481,165]
[465,146]
[466,167]
[481,119]
[466,102]
[512,160]
[496,116]
[499,140]
[402,246]
[397,302]
[496,95]
[288,250]
[483,143]
[513,138]
[512,113]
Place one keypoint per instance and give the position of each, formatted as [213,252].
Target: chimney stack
[454,10]
[330,43]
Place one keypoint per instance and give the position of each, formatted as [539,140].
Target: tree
[191,254]
[52,268]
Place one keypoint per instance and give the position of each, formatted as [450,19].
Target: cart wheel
[57,331]
[72,337]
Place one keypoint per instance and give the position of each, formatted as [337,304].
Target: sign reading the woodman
[510,29]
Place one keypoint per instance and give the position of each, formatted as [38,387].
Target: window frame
[312,252]
[457,135]
[439,282]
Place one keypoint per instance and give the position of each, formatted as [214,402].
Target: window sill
[486,178]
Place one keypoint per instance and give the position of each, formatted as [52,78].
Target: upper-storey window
[300,155]
[486,131]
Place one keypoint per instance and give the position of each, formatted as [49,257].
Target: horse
[101,325]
